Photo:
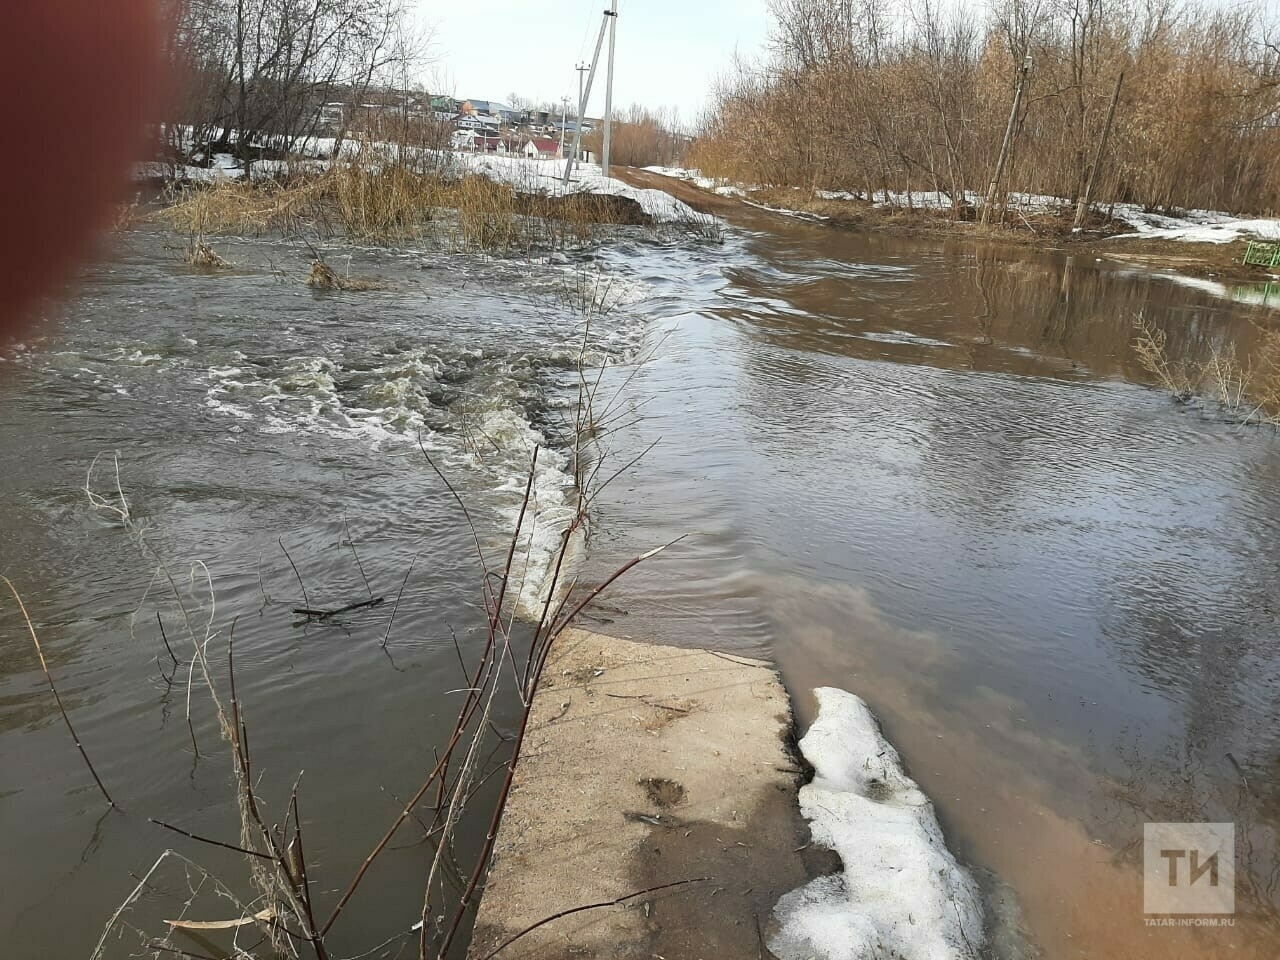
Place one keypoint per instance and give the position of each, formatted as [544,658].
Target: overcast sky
[668,50]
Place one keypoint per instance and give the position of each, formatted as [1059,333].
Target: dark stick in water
[325,614]
[49,677]
[305,598]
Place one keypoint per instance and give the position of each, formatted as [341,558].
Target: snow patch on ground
[720,187]
[1198,226]
[547,177]
[902,894]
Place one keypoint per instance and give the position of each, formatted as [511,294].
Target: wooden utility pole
[1082,210]
[994,187]
[612,14]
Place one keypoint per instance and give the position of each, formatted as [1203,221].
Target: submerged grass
[1244,388]
[324,277]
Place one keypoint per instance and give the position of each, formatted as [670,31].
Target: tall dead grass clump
[383,201]
[487,214]
[395,200]
[243,207]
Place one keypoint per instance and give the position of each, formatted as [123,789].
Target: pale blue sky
[668,50]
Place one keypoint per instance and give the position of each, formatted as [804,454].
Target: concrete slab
[646,765]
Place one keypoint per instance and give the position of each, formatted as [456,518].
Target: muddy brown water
[928,472]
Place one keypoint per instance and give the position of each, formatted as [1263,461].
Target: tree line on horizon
[861,95]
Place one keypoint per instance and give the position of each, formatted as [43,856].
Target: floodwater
[931,473]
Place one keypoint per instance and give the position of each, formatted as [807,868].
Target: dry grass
[200,254]
[324,277]
[1246,389]
[392,201]
[126,215]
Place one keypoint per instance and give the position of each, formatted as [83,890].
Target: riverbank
[1159,246]
[382,193]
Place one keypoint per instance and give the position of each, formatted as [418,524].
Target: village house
[540,148]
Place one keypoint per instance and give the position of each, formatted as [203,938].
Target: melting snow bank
[719,186]
[547,177]
[902,894]
[1198,226]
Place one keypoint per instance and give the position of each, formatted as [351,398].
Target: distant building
[482,141]
[331,116]
[538,148]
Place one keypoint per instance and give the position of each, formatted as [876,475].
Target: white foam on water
[901,894]
[386,406]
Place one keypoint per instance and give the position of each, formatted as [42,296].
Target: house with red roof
[541,148]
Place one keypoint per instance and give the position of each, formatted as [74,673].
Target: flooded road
[929,473]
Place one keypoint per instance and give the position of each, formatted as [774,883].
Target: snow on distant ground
[547,176]
[1196,226]
[222,165]
[902,893]
[721,187]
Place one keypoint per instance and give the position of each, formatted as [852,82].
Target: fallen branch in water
[326,614]
[216,843]
[49,678]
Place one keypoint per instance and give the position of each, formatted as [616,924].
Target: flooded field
[930,473]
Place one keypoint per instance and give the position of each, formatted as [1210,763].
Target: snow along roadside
[1193,226]
[901,894]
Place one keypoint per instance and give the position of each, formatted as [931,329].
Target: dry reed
[1243,389]
[374,198]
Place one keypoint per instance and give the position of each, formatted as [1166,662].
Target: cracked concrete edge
[647,765]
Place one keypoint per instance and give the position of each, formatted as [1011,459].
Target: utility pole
[564,122]
[1082,210]
[586,96]
[582,69]
[612,14]
[994,186]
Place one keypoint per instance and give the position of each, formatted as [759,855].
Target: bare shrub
[854,99]
[642,137]
[1244,388]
